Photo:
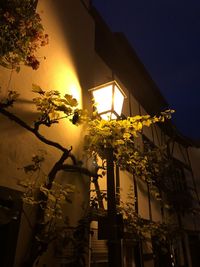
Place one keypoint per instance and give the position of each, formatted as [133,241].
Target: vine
[21,35]
[46,193]
[144,229]
[121,135]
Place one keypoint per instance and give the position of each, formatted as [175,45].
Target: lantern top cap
[113,82]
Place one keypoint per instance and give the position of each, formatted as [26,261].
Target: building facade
[84,53]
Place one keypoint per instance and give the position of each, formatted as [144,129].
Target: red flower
[33,62]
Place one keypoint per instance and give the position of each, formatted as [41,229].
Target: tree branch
[76,168]
[30,129]
[57,166]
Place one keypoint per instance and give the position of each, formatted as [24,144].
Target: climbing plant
[21,34]
[119,135]
[46,193]
[144,229]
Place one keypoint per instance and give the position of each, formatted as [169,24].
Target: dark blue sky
[166,37]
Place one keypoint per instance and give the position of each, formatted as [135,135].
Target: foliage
[80,243]
[21,34]
[95,198]
[9,100]
[56,196]
[41,189]
[143,229]
[157,164]
[117,135]
[72,242]
[36,163]
[163,171]
[51,105]
[120,136]
[51,201]
[151,164]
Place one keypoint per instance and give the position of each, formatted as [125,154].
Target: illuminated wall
[71,66]
[68,69]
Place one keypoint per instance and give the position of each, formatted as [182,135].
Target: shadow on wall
[77,27]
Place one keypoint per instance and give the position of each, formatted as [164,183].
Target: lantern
[109,100]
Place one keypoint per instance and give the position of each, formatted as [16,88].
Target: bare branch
[30,129]
[77,168]
[57,166]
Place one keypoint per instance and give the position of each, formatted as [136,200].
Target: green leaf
[71,101]
[37,89]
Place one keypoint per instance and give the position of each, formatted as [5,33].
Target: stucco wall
[62,70]
[68,69]
[71,66]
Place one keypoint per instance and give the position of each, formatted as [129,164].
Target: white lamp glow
[109,100]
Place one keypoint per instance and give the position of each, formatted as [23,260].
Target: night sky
[166,36]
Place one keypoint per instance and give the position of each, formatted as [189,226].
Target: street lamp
[109,100]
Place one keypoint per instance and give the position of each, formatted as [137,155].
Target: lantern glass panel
[103,98]
[118,101]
